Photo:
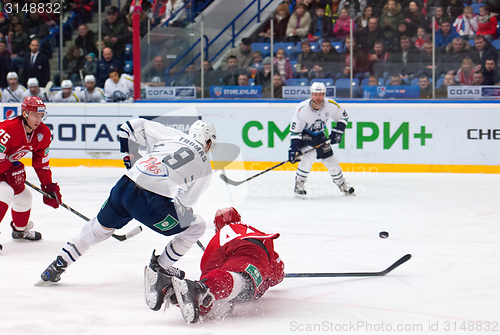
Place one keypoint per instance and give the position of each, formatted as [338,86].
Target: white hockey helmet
[204,133]
[66,84]
[12,75]
[89,78]
[32,82]
[318,87]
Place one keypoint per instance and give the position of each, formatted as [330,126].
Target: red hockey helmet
[226,216]
[33,104]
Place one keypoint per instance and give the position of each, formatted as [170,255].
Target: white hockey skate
[26,234]
[190,295]
[346,188]
[300,190]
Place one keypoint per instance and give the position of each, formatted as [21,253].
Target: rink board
[393,137]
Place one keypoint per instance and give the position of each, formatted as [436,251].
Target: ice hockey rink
[450,223]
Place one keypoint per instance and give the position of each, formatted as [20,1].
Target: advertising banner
[474,92]
[303,92]
[403,92]
[165,93]
[236,92]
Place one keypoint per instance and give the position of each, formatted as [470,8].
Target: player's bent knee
[22,201]
[6,193]
[195,230]
[93,232]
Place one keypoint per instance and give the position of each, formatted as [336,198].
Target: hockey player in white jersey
[118,88]
[15,91]
[158,191]
[66,93]
[35,91]
[91,93]
[307,130]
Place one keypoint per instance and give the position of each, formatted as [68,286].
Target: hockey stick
[127,236]
[400,261]
[236,183]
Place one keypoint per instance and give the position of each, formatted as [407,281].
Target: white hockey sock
[333,166]
[238,285]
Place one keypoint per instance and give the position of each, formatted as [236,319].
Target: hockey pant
[21,205]
[324,154]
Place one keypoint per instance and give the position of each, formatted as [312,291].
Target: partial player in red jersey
[19,136]
[239,264]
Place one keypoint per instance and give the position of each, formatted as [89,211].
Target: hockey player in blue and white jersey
[15,91]
[118,87]
[307,130]
[66,93]
[159,191]
[91,93]
[36,91]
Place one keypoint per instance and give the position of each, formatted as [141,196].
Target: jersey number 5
[4,137]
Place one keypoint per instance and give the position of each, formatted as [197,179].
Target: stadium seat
[314,46]
[251,81]
[129,67]
[128,52]
[264,48]
[439,82]
[414,82]
[293,63]
[326,81]
[289,48]
[365,82]
[472,42]
[297,82]
[475,7]
[380,81]
[339,46]
[496,44]
[344,83]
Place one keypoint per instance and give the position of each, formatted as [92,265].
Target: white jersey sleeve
[174,166]
[298,124]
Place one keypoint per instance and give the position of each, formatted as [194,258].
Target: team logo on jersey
[152,167]
[9,112]
[168,223]
[18,155]
[381,91]
[317,126]
[2,148]
[46,152]
[40,137]
[218,91]
[255,274]
[119,96]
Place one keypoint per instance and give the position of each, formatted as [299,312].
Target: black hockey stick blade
[400,261]
[128,235]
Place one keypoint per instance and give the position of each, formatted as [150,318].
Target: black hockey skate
[158,284]
[26,234]
[190,295]
[346,188]
[55,270]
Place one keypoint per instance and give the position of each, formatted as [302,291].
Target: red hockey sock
[20,219]
[220,283]
[3,209]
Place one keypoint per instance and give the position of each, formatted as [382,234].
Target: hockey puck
[383,234]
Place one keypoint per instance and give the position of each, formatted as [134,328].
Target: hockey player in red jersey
[19,136]
[239,264]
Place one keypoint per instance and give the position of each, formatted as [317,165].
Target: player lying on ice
[19,136]
[239,264]
[158,191]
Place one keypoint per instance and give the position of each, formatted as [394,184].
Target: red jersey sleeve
[40,159]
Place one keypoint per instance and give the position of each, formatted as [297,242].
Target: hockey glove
[54,192]
[127,162]
[336,136]
[15,176]
[294,151]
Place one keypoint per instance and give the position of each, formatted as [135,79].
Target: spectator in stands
[478,79]
[243,79]
[466,24]
[143,20]
[158,11]
[3,50]
[157,73]
[4,25]
[332,10]
[415,18]
[34,90]
[396,79]
[298,25]
[281,17]
[13,92]
[311,6]
[263,77]
[421,38]
[230,75]
[91,93]
[442,91]
[441,16]
[19,43]
[305,60]
[83,10]
[490,73]
[372,81]
[456,8]
[406,60]
[321,26]
[210,78]
[394,39]
[466,73]
[171,75]
[175,13]
[482,50]
[425,61]
[90,67]
[256,64]
[363,21]
[343,25]
[378,59]
[186,78]
[456,52]
[327,61]
[115,34]
[86,40]
[278,86]
[4,65]
[487,25]
[243,54]
[37,28]
[445,35]
[283,65]
[425,86]
[73,62]
[66,93]
[36,65]
[360,59]
[366,37]
[390,18]
[107,61]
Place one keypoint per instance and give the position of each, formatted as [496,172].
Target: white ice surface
[450,223]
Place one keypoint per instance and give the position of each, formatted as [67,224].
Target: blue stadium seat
[129,67]
[326,81]
[128,52]
[314,46]
[414,82]
[381,81]
[293,63]
[365,82]
[289,48]
[339,46]
[439,82]
[264,48]
[496,44]
[472,42]
[251,81]
[297,82]
[345,83]
[475,7]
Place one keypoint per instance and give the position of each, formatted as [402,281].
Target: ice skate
[190,295]
[170,271]
[346,188]
[54,271]
[26,234]
[300,191]
[158,289]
